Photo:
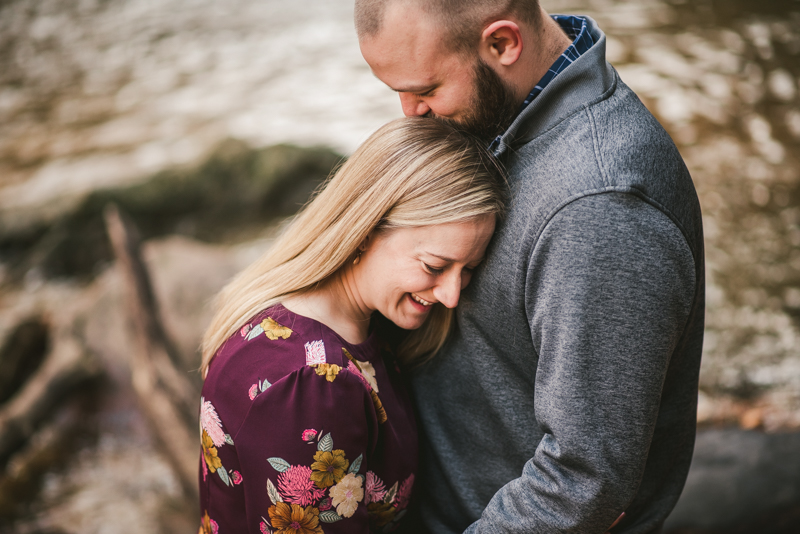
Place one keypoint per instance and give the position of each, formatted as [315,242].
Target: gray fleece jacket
[568,393]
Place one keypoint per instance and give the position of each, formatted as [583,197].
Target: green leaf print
[329,516]
[356,465]
[272,491]
[326,443]
[224,476]
[390,495]
[279,464]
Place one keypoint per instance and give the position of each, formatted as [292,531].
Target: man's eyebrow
[413,88]
[410,88]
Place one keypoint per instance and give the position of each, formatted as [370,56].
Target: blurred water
[95,93]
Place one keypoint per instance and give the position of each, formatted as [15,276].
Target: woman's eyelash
[433,270]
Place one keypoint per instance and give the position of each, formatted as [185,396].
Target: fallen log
[51,447]
[22,353]
[165,394]
[67,366]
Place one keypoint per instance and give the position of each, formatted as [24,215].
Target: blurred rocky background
[209,122]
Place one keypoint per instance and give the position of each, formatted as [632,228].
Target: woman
[305,425]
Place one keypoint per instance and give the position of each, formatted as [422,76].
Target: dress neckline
[362,348]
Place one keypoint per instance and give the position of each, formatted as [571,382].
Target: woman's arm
[304,450]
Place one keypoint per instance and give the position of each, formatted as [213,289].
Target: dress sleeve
[304,450]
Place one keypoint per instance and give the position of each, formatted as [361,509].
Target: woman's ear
[362,247]
[365,244]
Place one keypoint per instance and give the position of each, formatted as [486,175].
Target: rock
[237,190]
[740,482]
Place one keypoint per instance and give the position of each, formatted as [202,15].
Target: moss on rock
[236,191]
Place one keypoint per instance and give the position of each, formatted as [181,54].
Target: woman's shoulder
[272,346]
[280,342]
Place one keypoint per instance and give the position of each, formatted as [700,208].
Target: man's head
[461,20]
[461,60]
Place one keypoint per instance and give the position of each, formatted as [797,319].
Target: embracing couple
[536,237]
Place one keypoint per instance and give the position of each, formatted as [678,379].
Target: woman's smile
[419,303]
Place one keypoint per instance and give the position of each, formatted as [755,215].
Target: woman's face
[403,272]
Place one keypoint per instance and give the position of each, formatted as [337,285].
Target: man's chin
[468,126]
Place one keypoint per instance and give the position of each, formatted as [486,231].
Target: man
[568,391]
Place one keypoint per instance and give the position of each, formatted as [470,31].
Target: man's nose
[412,105]
[448,290]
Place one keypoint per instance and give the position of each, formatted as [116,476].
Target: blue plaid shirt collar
[574,27]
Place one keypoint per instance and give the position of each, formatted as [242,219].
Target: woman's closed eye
[433,270]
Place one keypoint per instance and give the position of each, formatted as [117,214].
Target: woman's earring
[357,258]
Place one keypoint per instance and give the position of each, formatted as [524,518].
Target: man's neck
[544,43]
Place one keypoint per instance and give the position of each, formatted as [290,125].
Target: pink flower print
[375,488]
[209,421]
[295,486]
[315,352]
[208,525]
[309,434]
[404,492]
[264,528]
[253,392]
[355,370]
[236,477]
[245,330]
[325,505]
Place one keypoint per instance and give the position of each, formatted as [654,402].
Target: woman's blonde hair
[411,172]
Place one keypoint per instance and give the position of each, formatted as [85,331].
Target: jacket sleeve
[304,451]
[609,289]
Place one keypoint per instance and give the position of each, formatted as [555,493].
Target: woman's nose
[448,290]
[412,105]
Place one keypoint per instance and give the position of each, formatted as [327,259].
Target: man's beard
[493,107]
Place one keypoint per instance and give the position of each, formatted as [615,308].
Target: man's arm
[609,289]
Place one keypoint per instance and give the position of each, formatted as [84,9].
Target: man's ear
[501,42]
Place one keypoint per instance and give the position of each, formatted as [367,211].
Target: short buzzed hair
[463,20]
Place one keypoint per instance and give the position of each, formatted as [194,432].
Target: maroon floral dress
[303,432]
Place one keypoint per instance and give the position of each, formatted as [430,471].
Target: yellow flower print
[208,525]
[210,453]
[378,407]
[294,519]
[329,467]
[380,514]
[274,330]
[328,370]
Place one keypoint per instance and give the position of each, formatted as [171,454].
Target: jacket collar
[588,80]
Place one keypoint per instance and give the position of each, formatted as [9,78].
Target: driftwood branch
[166,395]
[67,366]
